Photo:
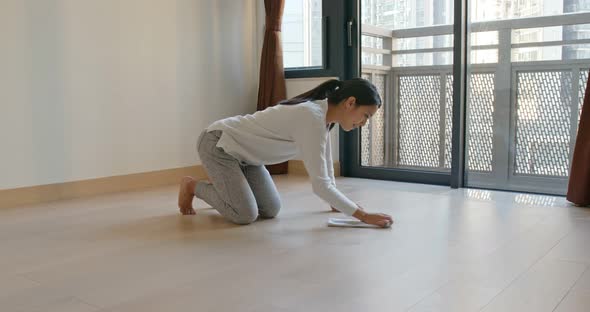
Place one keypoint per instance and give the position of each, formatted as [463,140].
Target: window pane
[527,62]
[556,52]
[372,42]
[484,38]
[425,42]
[372,59]
[424,59]
[486,56]
[400,14]
[414,129]
[302,33]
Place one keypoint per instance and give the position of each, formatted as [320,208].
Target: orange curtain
[272,87]
[579,183]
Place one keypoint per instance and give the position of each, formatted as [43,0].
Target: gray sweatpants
[239,192]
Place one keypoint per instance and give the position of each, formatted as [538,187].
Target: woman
[234,151]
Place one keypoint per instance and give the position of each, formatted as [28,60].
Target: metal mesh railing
[582,90]
[366,137]
[419,120]
[543,117]
[448,121]
[543,121]
[480,122]
[373,133]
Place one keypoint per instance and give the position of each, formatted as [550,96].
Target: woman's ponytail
[321,92]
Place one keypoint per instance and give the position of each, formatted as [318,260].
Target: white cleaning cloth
[351,223]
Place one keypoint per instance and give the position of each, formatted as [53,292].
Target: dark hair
[336,91]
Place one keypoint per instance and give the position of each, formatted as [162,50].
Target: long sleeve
[329,159]
[312,141]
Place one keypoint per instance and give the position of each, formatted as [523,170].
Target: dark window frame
[333,40]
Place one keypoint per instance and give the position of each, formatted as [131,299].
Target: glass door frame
[350,154]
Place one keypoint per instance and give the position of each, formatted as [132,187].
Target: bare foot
[185,195]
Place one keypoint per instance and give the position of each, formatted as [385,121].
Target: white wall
[95,88]
[300,85]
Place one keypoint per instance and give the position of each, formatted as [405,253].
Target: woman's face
[355,116]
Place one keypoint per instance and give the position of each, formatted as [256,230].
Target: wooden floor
[449,250]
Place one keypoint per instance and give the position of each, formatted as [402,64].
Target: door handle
[349,30]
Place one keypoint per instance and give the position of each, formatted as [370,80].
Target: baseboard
[69,190]
[124,183]
[296,167]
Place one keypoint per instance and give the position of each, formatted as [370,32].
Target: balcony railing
[522,115]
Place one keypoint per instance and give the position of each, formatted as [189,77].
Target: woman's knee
[244,214]
[244,218]
[270,210]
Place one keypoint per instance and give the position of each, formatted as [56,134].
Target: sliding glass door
[406,50]
[522,69]
[529,61]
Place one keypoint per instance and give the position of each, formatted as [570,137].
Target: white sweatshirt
[277,134]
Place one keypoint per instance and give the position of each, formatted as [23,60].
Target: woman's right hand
[379,219]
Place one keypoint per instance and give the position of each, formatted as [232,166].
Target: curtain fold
[272,87]
[579,182]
